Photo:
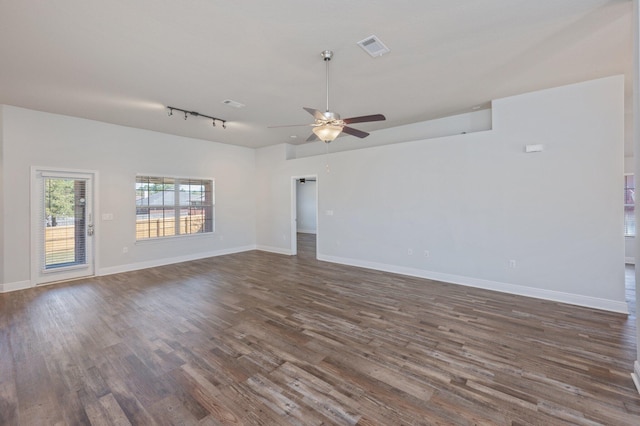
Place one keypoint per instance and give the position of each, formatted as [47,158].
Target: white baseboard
[15,286]
[636,375]
[556,296]
[276,250]
[168,261]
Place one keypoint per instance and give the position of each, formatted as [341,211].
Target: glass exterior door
[66,227]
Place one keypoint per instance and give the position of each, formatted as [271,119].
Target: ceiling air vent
[234,104]
[373,46]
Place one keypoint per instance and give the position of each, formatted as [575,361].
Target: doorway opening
[304,213]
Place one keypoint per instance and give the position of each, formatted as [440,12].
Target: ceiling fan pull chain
[326,165]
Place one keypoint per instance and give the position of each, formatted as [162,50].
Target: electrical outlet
[410,252]
[125,250]
[512,263]
[426,253]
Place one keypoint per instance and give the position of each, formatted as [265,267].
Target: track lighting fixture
[197,114]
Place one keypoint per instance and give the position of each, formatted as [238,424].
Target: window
[64,216]
[629,206]
[167,206]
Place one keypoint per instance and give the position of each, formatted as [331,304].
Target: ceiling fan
[328,125]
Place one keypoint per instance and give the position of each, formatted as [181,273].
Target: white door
[62,229]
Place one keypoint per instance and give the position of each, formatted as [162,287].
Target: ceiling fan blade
[316,114]
[312,138]
[365,118]
[354,132]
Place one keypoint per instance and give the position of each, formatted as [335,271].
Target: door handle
[90,229]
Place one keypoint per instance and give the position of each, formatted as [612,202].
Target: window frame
[176,207]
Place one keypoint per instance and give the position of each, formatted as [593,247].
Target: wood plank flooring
[263,339]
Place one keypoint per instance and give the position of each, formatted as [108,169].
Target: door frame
[294,212]
[35,223]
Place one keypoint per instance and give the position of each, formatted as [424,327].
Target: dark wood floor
[264,339]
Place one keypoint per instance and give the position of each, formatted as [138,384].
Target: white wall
[306,208]
[117,153]
[630,250]
[273,199]
[476,202]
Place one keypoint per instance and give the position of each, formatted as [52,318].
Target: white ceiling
[123,61]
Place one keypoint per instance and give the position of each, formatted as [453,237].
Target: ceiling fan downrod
[327,55]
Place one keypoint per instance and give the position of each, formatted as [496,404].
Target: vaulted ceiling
[124,62]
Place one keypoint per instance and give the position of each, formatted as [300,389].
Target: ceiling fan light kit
[328,125]
[327,132]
